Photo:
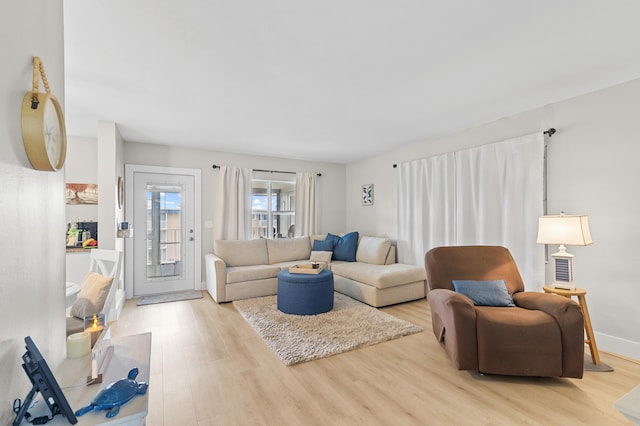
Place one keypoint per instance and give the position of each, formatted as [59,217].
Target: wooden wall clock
[43,129]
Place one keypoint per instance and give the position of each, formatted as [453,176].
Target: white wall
[110,166]
[331,187]
[592,169]
[32,205]
[82,167]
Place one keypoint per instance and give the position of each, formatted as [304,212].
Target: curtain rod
[549,133]
[215,166]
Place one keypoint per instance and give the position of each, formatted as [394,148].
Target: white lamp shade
[570,230]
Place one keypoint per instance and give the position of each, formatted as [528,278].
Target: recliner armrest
[568,316]
[454,324]
[561,308]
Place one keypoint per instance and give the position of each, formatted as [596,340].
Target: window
[273,208]
[164,231]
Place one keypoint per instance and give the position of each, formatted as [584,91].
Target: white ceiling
[330,80]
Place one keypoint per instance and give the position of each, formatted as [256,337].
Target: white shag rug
[300,338]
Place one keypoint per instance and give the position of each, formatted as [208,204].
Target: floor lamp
[564,230]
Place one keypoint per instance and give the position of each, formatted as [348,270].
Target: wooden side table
[580,293]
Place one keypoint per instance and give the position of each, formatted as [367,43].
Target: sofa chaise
[249,268]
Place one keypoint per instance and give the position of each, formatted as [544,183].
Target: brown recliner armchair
[543,335]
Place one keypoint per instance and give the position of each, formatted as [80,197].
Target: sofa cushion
[242,252]
[239,274]
[344,248]
[526,342]
[93,293]
[288,249]
[379,276]
[373,250]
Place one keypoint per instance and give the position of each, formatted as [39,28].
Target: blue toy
[116,394]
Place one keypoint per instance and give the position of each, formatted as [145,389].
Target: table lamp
[571,230]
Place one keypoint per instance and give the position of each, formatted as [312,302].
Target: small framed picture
[367,194]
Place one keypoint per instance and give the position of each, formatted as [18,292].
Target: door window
[164,232]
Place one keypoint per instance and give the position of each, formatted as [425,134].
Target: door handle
[191,238]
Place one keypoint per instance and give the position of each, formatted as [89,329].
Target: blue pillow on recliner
[485,293]
[345,247]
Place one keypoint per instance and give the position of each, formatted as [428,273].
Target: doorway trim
[130,170]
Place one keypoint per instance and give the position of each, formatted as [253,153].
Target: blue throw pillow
[485,293]
[324,245]
[344,248]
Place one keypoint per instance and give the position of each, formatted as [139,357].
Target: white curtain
[497,192]
[232,214]
[426,205]
[306,204]
[501,198]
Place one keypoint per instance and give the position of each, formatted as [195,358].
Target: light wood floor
[208,367]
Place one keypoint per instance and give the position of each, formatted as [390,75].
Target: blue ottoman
[305,294]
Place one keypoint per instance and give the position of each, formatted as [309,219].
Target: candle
[94,368]
[94,324]
[78,345]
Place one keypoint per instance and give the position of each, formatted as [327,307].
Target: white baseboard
[619,346]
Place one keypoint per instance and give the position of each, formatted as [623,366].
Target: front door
[165,230]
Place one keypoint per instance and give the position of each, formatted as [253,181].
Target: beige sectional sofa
[246,269]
